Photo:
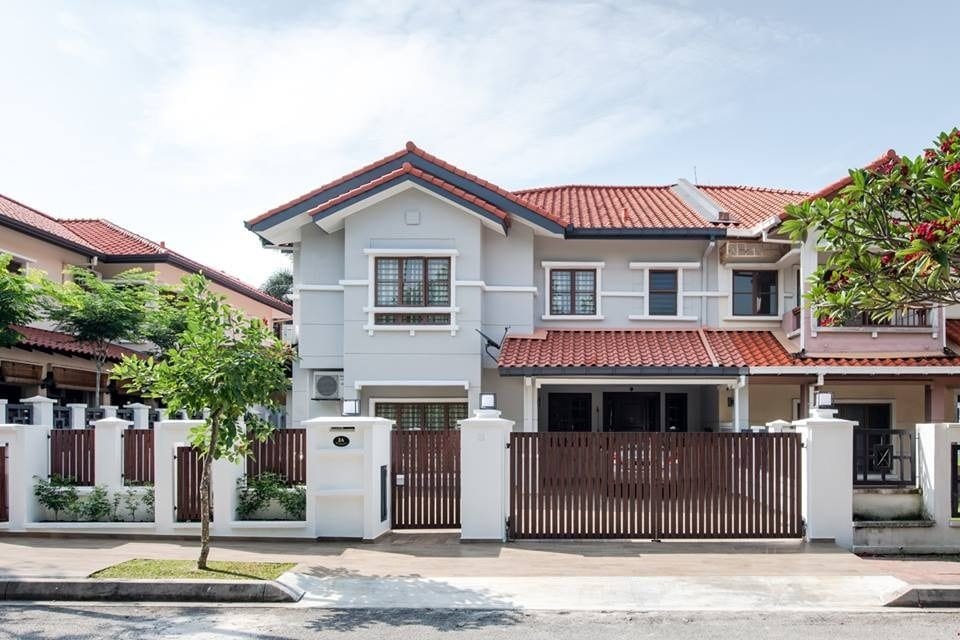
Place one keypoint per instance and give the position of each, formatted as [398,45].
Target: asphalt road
[119,622]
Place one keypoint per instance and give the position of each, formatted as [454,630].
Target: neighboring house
[638,308]
[53,364]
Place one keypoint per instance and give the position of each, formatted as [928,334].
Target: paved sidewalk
[435,569]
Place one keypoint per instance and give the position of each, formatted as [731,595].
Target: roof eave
[622,371]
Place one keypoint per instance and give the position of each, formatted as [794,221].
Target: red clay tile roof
[21,214]
[606,348]
[45,340]
[409,169]
[579,206]
[626,207]
[678,348]
[834,187]
[411,148]
[752,205]
[110,240]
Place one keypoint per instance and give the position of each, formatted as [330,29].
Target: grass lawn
[169,569]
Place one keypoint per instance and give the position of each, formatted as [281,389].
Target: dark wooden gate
[655,485]
[4,493]
[189,469]
[426,479]
[72,455]
[138,456]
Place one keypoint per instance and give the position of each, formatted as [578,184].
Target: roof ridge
[744,187]
[592,186]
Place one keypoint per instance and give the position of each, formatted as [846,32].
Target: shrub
[256,493]
[56,494]
[95,506]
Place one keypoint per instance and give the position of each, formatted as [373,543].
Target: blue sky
[179,119]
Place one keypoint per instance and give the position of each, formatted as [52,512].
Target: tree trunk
[96,395]
[205,496]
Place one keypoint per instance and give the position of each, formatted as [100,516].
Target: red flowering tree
[891,236]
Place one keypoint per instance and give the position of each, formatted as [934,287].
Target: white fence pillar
[27,456]
[108,452]
[42,410]
[827,468]
[484,485]
[223,484]
[934,467]
[348,476]
[78,415]
[141,415]
[109,410]
[167,436]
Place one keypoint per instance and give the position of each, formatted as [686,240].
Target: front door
[631,411]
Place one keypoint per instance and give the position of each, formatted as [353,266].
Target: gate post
[827,477]
[348,471]
[484,483]
[936,463]
[27,450]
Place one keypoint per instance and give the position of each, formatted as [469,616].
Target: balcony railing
[905,319]
[884,457]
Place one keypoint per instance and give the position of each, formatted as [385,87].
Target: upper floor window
[414,282]
[573,292]
[662,293]
[755,293]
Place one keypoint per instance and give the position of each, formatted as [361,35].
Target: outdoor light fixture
[350,408]
[824,399]
[488,400]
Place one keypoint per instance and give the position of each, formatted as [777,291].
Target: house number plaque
[341,441]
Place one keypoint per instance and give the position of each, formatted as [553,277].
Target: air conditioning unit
[327,385]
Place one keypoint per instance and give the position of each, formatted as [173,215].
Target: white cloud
[200,117]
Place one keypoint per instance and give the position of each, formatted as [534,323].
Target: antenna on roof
[695,181]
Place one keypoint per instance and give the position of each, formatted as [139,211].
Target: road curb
[149,590]
[922,596]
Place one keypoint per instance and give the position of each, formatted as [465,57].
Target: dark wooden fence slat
[4,490]
[429,462]
[72,455]
[669,485]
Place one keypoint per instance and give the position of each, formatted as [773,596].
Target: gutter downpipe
[703,277]
[741,383]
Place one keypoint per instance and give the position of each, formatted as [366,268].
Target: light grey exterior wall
[619,284]
[498,282]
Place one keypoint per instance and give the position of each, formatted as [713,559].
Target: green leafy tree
[279,285]
[890,236]
[165,322]
[223,362]
[99,312]
[19,298]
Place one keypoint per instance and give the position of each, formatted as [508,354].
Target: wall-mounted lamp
[824,399]
[488,400]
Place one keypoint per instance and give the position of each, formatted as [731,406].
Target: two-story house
[47,362]
[583,308]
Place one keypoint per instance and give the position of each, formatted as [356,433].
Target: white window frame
[731,269]
[679,267]
[371,309]
[548,266]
